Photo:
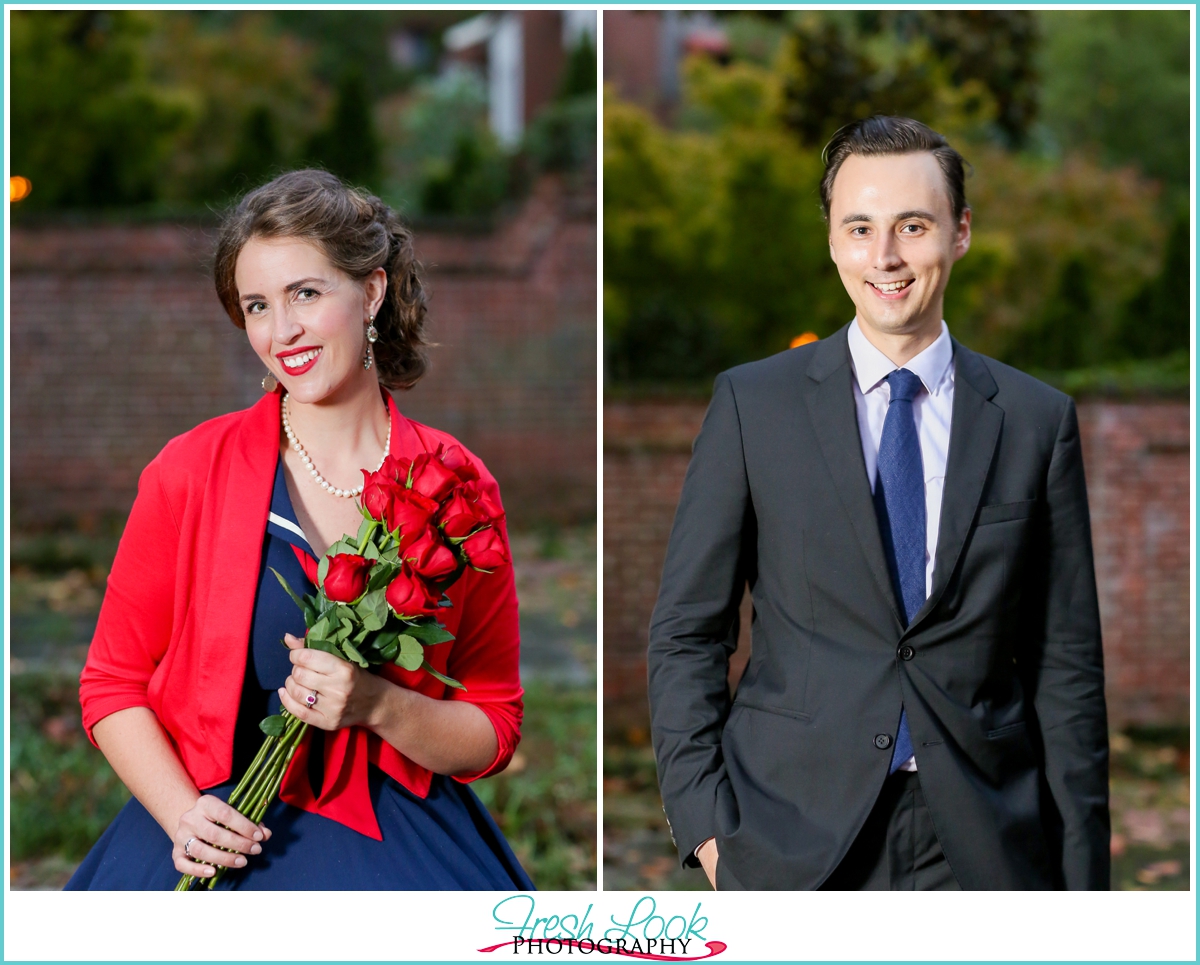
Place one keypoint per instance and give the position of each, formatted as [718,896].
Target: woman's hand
[446,736]
[345,693]
[209,826]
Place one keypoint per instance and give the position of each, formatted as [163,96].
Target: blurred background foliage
[1076,127]
[176,112]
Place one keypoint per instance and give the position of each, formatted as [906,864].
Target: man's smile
[890,287]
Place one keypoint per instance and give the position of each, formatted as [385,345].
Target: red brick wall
[1137,461]
[631,55]
[119,343]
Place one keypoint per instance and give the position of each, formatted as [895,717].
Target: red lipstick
[300,369]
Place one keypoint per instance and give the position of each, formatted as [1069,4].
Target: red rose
[346,578]
[430,557]
[462,512]
[488,506]
[376,494]
[395,469]
[455,459]
[408,595]
[410,511]
[431,478]
[485,550]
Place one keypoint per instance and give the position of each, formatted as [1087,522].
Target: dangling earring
[372,337]
[269,383]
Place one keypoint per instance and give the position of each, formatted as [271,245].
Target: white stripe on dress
[287,524]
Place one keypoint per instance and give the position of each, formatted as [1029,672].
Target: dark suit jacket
[1004,682]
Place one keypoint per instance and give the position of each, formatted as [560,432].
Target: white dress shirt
[932,410]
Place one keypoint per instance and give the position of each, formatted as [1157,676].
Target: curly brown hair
[357,233]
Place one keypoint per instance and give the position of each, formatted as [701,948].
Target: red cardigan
[175,624]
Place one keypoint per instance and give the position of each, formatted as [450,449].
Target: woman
[187,657]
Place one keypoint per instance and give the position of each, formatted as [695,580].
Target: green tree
[1157,319]
[258,100]
[1117,83]
[258,155]
[1063,335]
[563,135]
[90,127]
[996,48]
[829,80]
[348,145]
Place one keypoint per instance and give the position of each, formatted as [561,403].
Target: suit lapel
[974,432]
[830,398]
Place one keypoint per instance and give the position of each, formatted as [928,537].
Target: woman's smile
[300,360]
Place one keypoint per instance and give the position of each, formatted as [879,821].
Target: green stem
[260,784]
[236,795]
[260,779]
[267,787]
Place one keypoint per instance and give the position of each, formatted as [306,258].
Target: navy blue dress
[444,842]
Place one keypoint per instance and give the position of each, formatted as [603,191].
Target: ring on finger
[187,848]
[311,699]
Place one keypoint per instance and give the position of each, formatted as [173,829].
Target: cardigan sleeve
[485,657]
[135,622]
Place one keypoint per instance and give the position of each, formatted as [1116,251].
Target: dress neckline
[281,519]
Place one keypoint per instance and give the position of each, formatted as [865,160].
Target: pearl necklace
[308,463]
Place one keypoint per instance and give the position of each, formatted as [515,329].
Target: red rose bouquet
[425,520]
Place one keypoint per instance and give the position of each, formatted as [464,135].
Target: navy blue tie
[900,506]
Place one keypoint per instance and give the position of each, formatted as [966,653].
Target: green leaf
[352,652]
[448,681]
[388,652]
[372,610]
[381,575]
[370,551]
[272,726]
[341,546]
[322,569]
[290,592]
[429,633]
[326,646]
[411,654]
[385,637]
[364,530]
[322,628]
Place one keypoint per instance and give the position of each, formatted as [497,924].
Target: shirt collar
[871,366]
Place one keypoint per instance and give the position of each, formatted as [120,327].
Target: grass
[545,803]
[64,794]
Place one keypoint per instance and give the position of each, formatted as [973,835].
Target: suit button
[883,741]
[906,652]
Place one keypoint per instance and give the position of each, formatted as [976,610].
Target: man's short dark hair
[879,136]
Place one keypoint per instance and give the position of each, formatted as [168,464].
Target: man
[924,702]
